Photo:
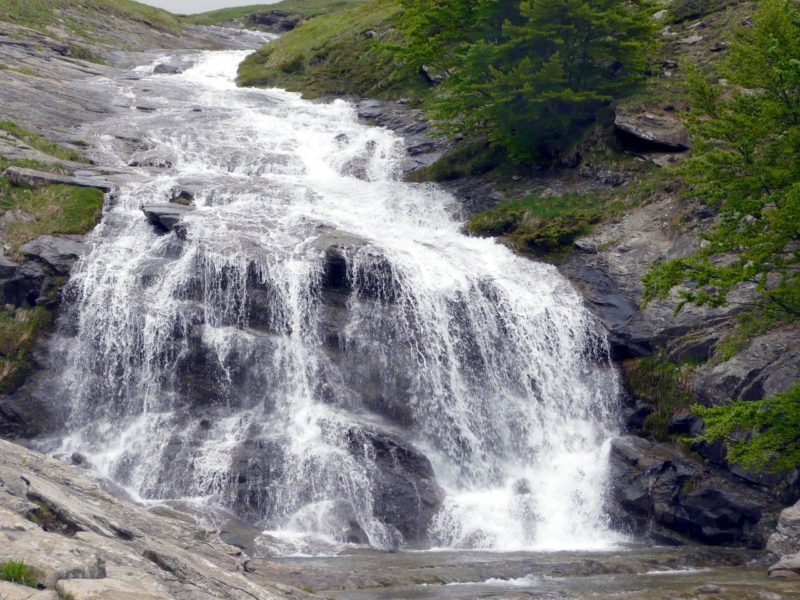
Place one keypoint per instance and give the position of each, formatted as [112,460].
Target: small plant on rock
[17,572]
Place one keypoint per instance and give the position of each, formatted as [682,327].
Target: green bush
[761,434]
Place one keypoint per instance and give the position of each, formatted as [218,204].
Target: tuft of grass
[307,8]
[37,142]
[18,332]
[21,70]
[58,209]
[541,225]
[17,572]
[41,14]
[343,53]
[666,386]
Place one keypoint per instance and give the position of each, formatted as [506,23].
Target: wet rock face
[658,492]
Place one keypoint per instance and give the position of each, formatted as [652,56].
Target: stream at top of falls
[317,348]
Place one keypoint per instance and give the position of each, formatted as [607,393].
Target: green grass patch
[21,70]
[58,209]
[341,53]
[18,331]
[37,142]
[664,385]
[541,225]
[307,8]
[17,572]
[41,14]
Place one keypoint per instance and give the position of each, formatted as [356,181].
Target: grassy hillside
[303,7]
[341,53]
[45,15]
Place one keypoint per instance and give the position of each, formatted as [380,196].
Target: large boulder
[33,178]
[659,492]
[769,365]
[275,21]
[58,253]
[651,129]
[786,539]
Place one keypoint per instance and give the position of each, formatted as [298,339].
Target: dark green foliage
[747,163]
[529,75]
[664,385]
[17,572]
[758,434]
[539,225]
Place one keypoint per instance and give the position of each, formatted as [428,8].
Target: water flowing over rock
[317,347]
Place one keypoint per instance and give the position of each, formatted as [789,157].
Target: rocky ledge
[81,543]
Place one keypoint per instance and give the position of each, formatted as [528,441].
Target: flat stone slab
[12,591]
[166,216]
[58,252]
[33,178]
[104,589]
[659,128]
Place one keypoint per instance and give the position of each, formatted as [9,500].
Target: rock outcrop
[785,543]
[82,543]
[769,365]
[651,130]
[656,491]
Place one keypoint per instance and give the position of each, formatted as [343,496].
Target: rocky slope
[81,543]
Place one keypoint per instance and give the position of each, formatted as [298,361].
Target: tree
[747,163]
[758,434]
[528,75]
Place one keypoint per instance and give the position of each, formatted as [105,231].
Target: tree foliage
[758,434]
[528,74]
[747,163]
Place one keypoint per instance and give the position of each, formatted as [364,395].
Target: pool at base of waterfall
[634,572]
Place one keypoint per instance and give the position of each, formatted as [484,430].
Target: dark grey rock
[685,422]
[769,365]
[275,21]
[58,253]
[8,268]
[657,491]
[165,216]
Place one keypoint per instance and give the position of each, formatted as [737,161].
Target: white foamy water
[217,365]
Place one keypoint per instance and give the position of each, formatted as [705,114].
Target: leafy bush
[758,434]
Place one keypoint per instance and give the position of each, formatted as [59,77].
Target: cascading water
[317,346]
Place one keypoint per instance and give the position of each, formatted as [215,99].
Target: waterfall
[318,347]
